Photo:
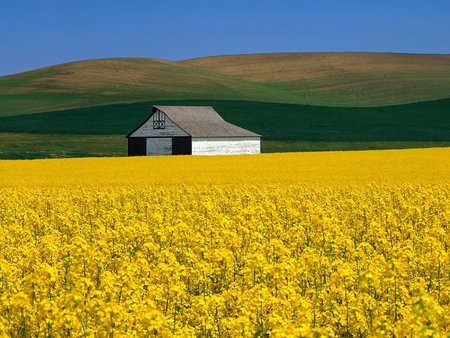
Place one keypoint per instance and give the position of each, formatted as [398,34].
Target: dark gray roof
[202,121]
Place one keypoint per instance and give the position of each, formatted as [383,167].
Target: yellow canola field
[333,244]
[351,167]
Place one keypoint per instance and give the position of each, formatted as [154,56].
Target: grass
[34,146]
[332,79]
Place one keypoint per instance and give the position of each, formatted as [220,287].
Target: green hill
[333,79]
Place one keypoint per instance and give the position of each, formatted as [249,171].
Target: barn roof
[202,121]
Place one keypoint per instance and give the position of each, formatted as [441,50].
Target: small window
[159,120]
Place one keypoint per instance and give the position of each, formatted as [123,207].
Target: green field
[425,121]
[33,146]
[100,130]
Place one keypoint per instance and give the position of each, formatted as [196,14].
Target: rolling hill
[342,79]
[330,79]
[101,81]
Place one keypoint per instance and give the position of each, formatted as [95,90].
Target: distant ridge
[329,79]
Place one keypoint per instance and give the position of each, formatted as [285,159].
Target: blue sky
[39,33]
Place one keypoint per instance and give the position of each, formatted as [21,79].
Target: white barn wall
[225,145]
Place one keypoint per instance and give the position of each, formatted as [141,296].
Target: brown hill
[351,79]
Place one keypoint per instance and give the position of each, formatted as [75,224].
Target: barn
[190,130]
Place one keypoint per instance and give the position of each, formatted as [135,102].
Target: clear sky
[36,33]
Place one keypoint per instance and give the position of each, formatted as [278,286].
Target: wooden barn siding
[226,145]
[159,146]
[146,130]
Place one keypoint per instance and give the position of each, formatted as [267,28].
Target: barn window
[159,120]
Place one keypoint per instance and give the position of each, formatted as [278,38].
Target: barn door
[159,146]
[182,145]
